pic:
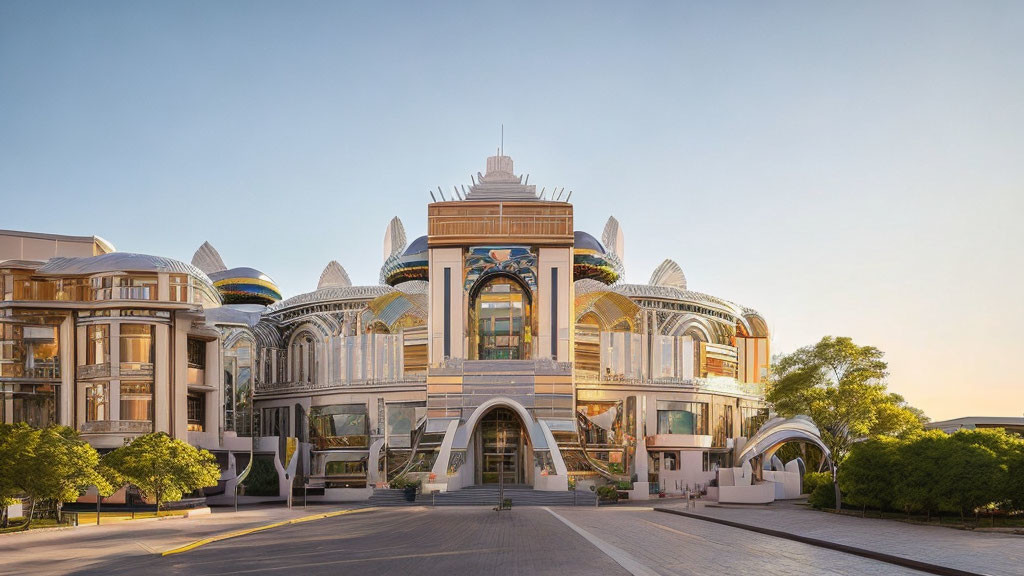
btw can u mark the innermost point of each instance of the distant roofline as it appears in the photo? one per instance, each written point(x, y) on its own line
point(67, 238)
point(1012, 420)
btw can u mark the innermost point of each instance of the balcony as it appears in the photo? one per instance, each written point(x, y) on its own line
point(409, 379)
point(117, 427)
point(41, 371)
point(137, 370)
point(91, 371)
point(716, 385)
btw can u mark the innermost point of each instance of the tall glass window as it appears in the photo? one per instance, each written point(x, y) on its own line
point(136, 343)
point(137, 401)
point(682, 418)
point(97, 346)
point(502, 321)
point(96, 403)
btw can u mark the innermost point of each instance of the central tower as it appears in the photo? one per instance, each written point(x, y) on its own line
point(500, 264)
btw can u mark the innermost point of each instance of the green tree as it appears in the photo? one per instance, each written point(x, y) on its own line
point(976, 470)
point(162, 467)
point(920, 465)
point(869, 473)
point(51, 463)
point(841, 386)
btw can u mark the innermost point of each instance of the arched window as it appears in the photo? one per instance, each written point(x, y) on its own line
point(304, 358)
point(502, 322)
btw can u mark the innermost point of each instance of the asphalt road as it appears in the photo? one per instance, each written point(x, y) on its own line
point(525, 541)
point(397, 541)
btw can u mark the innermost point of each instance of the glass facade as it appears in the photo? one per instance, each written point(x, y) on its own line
point(136, 344)
point(29, 351)
point(97, 344)
point(97, 406)
point(502, 321)
point(339, 425)
point(33, 404)
point(136, 401)
point(682, 418)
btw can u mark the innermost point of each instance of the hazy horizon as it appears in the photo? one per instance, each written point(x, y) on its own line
point(846, 170)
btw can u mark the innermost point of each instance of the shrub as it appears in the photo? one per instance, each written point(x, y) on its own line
point(824, 496)
point(262, 479)
point(814, 479)
point(608, 493)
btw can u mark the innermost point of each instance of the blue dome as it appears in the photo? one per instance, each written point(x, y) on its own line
point(584, 241)
point(418, 246)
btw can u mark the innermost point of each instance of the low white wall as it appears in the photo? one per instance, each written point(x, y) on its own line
point(763, 493)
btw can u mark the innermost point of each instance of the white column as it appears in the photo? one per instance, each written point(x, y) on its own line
point(179, 387)
point(161, 380)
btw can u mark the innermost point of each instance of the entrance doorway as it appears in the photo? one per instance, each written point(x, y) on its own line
point(502, 449)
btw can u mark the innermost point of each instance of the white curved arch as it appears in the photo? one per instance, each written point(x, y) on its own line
point(776, 432)
point(532, 429)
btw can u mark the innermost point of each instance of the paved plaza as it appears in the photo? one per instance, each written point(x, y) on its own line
point(475, 540)
point(996, 553)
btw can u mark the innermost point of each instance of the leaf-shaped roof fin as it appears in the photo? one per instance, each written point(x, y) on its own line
point(394, 238)
point(208, 259)
point(334, 276)
point(668, 273)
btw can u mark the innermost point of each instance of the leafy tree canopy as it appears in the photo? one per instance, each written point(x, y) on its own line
point(162, 467)
point(51, 463)
point(841, 386)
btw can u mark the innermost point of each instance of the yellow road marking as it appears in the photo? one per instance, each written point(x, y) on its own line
point(238, 533)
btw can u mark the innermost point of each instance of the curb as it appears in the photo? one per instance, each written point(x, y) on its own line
point(863, 552)
point(237, 533)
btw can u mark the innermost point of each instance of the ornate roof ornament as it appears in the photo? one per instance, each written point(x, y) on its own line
point(668, 273)
point(613, 240)
point(208, 259)
point(334, 276)
point(394, 238)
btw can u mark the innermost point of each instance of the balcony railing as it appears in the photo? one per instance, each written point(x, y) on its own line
point(117, 427)
point(720, 385)
point(136, 369)
point(281, 387)
point(38, 372)
point(90, 371)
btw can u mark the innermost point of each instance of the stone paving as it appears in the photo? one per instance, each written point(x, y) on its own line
point(672, 545)
point(974, 551)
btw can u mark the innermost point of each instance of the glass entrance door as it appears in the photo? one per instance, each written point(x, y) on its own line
point(501, 448)
point(493, 464)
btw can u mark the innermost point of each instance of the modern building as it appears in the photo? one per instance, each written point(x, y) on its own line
point(502, 345)
point(1008, 423)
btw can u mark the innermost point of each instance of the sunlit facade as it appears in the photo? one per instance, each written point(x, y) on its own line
point(501, 346)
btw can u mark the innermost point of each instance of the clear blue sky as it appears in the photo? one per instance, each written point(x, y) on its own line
point(852, 170)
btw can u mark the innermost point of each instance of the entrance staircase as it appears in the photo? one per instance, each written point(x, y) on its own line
point(391, 497)
point(487, 495)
